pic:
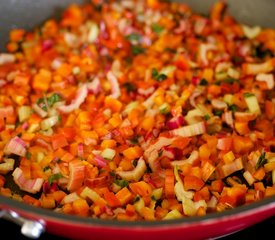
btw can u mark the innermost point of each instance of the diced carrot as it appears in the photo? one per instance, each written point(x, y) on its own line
point(124, 196)
point(133, 152)
point(141, 188)
point(47, 201)
point(242, 144)
point(259, 174)
point(148, 213)
point(58, 195)
point(59, 141)
point(111, 199)
point(169, 183)
point(192, 183)
point(80, 207)
point(31, 200)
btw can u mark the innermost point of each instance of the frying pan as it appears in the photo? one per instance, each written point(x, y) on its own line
point(29, 13)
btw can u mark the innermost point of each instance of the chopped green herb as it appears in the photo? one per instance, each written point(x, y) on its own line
point(247, 95)
point(154, 73)
point(112, 174)
point(232, 108)
point(158, 76)
point(130, 87)
point(28, 155)
point(53, 99)
point(160, 153)
point(136, 50)
point(133, 37)
point(206, 117)
point(161, 77)
point(164, 111)
point(203, 82)
point(121, 182)
point(135, 161)
point(41, 103)
point(54, 177)
point(261, 161)
point(218, 112)
point(157, 28)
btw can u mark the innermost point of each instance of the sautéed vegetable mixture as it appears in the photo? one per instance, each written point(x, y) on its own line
point(138, 110)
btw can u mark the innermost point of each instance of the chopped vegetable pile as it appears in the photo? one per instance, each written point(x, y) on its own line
point(138, 110)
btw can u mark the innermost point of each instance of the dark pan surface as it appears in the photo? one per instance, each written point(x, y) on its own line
point(30, 13)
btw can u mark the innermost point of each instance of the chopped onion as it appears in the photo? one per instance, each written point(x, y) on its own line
point(94, 86)
point(147, 91)
point(101, 162)
point(49, 122)
point(80, 150)
point(203, 49)
point(192, 158)
point(7, 165)
point(6, 58)
point(39, 110)
point(24, 112)
point(76, 176)
point(251, 32)
point(253, 105)
point(28, 185)
point(114, 84)
point(93, 32)
point(267, 78)
point(249, 177)
point(135, 174)
point(190, 130)
point(16, 146)
point(108, 153)
point(218, 104)
point(81, 95)
point(70, 198)
point(194, 116)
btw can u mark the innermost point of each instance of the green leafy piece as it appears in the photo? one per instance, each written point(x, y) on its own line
point(41, 103)
point(54, 177)
point(121, 182)
point(28, 155)
point(206, 117)
point(218, 112)
point(157, 28)
point(133, 37)
point(135, 161)
point(158, 76)
point(261, 161)
point(161, 77)
point(54, 99)
point(232, 108)
point(203, 82)
point(136, 50)
point(154, 73)
point(247, 95)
